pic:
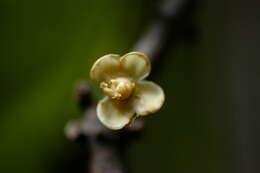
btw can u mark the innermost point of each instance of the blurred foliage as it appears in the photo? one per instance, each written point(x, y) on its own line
point(47, 46)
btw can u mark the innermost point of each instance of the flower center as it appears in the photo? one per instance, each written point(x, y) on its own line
point(118, 88)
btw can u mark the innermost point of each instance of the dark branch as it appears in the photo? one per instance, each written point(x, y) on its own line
point(172, 22)
point(106, 147)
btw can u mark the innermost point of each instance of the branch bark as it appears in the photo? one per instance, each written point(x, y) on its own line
point(107, 148)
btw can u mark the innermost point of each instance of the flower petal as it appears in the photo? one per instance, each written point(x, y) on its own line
point(114, 115)
point(136, 65)
point(149, 98)
point(105, 67)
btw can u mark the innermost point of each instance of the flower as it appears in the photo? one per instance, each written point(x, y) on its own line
point(127, 95)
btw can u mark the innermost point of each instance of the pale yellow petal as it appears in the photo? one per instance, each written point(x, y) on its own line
point(149, 98)
point(136, 65)
point(106, 67)
point(114, 115)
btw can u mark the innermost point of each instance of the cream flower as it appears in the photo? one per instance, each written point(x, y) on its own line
point(127, 94)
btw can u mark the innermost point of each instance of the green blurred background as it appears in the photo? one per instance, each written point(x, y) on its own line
point(206, 125)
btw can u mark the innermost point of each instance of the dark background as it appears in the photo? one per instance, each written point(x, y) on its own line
point(209, 122)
